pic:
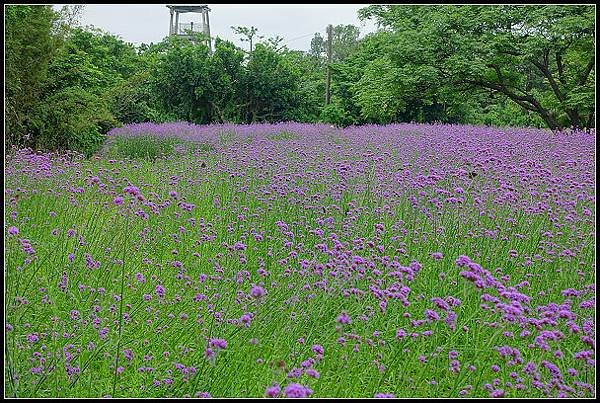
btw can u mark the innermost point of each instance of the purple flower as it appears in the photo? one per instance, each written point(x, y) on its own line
point(297, 390)
point(32, 338)
point(204, 395)
point(307, 363)
point(463, 261)
point(554, 371)
point(160, 291)
point(246, 318)
point(273, 391)
point(37, 370)
point(103, 332)
point(343, 318)
point(218, 344)
point(13, 230)
point(131, 190)
point(257, 291)
point(497, 393)
point(128, 354)
point(437, 255)
point(385, 396)
point(431, 315)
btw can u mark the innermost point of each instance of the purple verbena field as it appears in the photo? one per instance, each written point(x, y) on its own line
point(294, 260)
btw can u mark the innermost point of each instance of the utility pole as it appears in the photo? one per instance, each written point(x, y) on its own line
point(328, 83)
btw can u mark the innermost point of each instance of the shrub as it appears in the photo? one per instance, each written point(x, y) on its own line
point(71, 119)
point(334, 114)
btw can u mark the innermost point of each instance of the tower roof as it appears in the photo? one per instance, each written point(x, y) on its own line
point(188, 9)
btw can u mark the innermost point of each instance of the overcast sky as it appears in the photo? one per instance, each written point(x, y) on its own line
point(296, 23)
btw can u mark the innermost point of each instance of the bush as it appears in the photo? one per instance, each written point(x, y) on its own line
point(71, 119)
point(334, 114)
point(132, 102)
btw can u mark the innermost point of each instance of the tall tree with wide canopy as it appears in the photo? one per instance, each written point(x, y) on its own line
point(540, 57)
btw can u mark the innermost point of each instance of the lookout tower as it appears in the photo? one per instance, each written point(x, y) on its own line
point(185, 29)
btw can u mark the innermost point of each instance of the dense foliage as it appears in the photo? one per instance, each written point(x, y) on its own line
point(28, 50)
point(540, 57)
point(492, 65)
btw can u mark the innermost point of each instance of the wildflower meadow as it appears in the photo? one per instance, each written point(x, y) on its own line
point(303, 260)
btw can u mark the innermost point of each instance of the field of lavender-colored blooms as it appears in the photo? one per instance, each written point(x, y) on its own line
point(293, 260)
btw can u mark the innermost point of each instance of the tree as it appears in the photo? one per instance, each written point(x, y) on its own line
point(271, 86)
point(345, 41)
point(108, 52)
point(274, 43)
point(539, 57)
point(134, 101)
point(347, 73)
point(181, 79)
point(310, 75)
point(317, 46)
point(226, 75)
point(247, 34)
point(378, 92)
point(57, 79)
point(29, 48)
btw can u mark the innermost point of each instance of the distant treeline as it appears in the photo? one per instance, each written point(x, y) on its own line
point(496, 65)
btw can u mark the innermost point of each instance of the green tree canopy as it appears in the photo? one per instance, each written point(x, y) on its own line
point(539, 57)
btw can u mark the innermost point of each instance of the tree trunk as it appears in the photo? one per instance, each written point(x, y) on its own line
point(525, 101)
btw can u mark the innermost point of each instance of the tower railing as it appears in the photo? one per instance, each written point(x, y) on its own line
point(185, 27)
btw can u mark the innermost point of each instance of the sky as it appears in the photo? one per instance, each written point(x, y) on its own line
point(296, 23)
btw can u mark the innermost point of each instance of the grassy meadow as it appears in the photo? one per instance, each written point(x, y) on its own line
point(296, 260)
